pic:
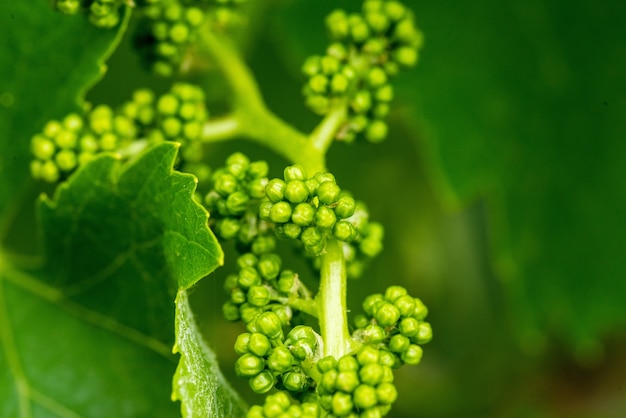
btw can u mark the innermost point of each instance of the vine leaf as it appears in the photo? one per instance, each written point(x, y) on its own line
point(198, 382)
point(90, 334)
point(47, 61)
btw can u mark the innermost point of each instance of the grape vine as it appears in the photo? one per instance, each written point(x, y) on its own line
point(297, 345)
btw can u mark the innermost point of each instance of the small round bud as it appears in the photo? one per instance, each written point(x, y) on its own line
point(387, 315)
point(280, 359)
point(275, 190)
point(303, 214)
point(347, 381)
point(342, 404)
point(365, 397)
point(371, 373)
point(344, 231)
point(269, 266)
point(280, 212)
point(294, 172)
point(259, 344)
point(296, 191)
point(269, 324)
point(326, 364)
point(412, 355)
point(262, 382)
point(386, 393)
point(325, 217)
point(249, 365)
point(345, 207)
point(425, 333)
point(399, 343)
point(241, 343)
point(328, 192)
point(409, 327)
point(258, 296)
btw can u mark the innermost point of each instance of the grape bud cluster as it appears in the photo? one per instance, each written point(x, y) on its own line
point(367, 49)
point(394, 320)
point(102, 13)
point(168, 29)
point(62, 146)
point(309, 209)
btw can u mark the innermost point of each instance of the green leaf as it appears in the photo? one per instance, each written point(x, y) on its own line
point(198, 382)
point(47, 61)
point(90, 334)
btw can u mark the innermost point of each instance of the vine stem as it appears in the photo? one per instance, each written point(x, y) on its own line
point(252, 119)
point(331, 302)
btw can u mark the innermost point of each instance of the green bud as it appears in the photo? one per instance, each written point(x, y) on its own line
point(241, 343)
point(327, 384)
point(328, 192)
point(399, 343)
point(387, 315)
point(392, 293)
point(228, 228)
point(303, 214)
point(361, 321)
point(225, 184)
point(412, 355)
point(280, 359)
point(286, 282)
point(296, 191)
point(269, 266)
point(326, 364)
point(238, 296)
point(376, 131)
point(347, 364)
point(386, 393)
point(365, 396)
point(258, 296)
point(249, 313)
point(311, 66)
point(275, 190)
point(370, 303)
point(259, 344)
point(425, 333)
point(237, 203)
point(247, 260)
point(262, 382)
point(311, 237)
point(263, 244)
point(347, 381)
point(342, 404)
point(367, 354)
point(409, 327)
point(258, 169)
point(406, 56)
point(264, 210)
point(280, 212)
point(256, 188)
point(284, 313)
point(421, 311)
point(374, 334)
point(249, 365)
point(344, 231)
point(294, 172)
point(387, 359)
point(345, 207)
point(230, 311)
point(295, 381)
point(269, 324)
point(325, 217)
point(318, 83)
point(371, 373)
point(42, 147)
point(248, 277)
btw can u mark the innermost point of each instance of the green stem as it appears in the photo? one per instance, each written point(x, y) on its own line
point(221, 129)
point(324, 134)
point(331, 301)
point(251, 116)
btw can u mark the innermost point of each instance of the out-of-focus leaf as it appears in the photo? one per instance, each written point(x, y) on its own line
point(47, 60)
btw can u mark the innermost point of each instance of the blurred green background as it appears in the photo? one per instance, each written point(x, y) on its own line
point(502, 189)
